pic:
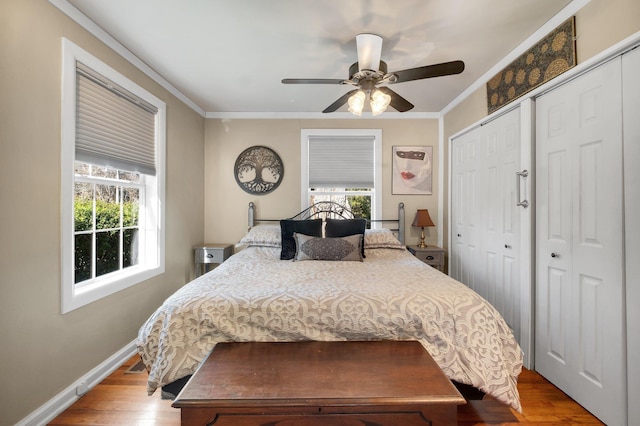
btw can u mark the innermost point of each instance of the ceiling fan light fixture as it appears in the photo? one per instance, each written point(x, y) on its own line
point(370, 72)
point(369, 51)
point(356, 102)
point(379, 102)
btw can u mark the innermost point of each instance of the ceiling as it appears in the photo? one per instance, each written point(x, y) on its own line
point(229, 56)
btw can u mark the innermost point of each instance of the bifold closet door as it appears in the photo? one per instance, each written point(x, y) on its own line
point(579, 342)
point(485, 220)
point(464, 264)
point(631, 146)
point(501, 221)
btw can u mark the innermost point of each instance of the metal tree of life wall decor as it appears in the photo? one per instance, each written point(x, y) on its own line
point(258, 170)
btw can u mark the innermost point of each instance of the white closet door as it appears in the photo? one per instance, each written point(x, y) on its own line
point(464, 206)
point(500, 217)
point(631, 102)
point(579, 245)
point(485, 221)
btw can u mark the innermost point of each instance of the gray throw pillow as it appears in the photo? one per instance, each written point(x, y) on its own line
point(339, 248)
point(346, 227)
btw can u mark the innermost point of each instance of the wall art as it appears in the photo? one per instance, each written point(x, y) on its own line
point(258, 170)
point(550, 57)
point(412, 170)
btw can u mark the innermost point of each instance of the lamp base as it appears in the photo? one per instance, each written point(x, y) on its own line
point(422, 244)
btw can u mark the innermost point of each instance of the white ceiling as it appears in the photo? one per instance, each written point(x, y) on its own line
point(229, 56)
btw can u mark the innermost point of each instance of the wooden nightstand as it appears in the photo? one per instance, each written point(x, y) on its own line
point(210, 253)
point(431, 255)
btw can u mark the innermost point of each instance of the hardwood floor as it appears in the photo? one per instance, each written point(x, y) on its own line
point(121, 399)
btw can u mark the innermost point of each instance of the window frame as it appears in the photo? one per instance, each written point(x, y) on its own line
point(376, 134)
point(152, 257)
point(118, 185)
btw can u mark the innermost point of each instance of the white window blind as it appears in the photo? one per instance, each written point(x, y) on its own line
point(113, 127)
point(344, 161)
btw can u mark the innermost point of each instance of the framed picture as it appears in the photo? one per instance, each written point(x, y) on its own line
point(411, 170)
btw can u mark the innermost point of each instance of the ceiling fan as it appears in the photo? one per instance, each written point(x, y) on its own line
point(370, 72)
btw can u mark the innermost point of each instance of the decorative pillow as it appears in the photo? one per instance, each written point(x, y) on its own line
point(262, 236)
point(338, 248)
point(312, 227)
point(345, 227)
point(381, 238)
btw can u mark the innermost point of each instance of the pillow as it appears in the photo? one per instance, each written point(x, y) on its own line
point(339, 248)
point(311, 227)
point(262, 236)
point(345, 227)
point(381, 238)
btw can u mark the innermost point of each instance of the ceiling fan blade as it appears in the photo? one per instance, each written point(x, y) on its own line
point(397, 102)
point(369, 48)
point(312, 81)
point(341, 101)
point(429, 71)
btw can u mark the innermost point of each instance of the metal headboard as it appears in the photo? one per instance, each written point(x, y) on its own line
point(333, 210)
point(324, 210)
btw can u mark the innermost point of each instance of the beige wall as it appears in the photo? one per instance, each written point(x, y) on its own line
point(226, 204)
point(599, 25)
point(41, 351)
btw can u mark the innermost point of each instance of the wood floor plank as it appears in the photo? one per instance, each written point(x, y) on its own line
point(121, 399)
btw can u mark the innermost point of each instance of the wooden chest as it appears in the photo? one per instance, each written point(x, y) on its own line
point(319, 383)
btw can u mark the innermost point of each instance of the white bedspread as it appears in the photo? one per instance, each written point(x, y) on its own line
point(254, 296)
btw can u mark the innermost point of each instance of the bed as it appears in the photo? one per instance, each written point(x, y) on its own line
point(374, 290)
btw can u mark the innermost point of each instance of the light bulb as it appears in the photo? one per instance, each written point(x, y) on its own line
point(356, 102)
point(379, 102)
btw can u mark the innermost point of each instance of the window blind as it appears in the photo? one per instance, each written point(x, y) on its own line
point(343, 162)
point(113, 127)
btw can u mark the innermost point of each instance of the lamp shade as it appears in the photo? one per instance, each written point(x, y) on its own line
point(422, 219)
point(356, 102)
point(379, 102)
point(369, 49)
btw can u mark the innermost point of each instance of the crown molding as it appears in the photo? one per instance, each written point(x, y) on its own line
point(319, 115)
point(568, 11)
point(72, 12)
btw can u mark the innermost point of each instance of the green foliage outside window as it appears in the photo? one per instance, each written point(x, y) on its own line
point(107, 214)
point(107, 257)
point(360, 206)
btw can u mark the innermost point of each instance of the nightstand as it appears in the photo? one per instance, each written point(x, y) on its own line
point(431, 255)
point(210, 253)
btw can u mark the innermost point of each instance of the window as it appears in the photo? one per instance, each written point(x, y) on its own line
point(113, 143)
point(106, 211)
point(343, 165)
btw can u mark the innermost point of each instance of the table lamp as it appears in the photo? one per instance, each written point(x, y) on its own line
point(422, 219)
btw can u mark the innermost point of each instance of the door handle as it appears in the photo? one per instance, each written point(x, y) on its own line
point(507, 246)
point(523, 174)
point(555, 255)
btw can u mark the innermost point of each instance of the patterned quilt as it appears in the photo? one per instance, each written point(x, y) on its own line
point(391, 295)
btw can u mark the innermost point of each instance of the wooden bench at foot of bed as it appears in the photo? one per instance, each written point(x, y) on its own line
point(319, 383)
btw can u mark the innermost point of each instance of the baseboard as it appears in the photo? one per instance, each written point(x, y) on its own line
point(72, 393)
